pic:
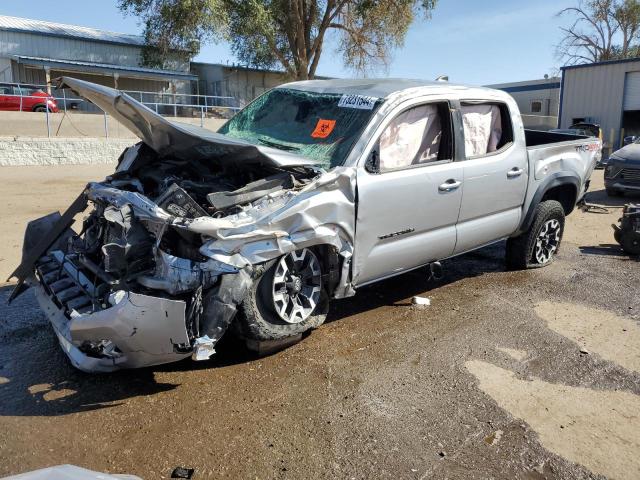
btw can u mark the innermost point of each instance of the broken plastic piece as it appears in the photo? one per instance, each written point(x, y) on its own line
point(182, 472)
point(421, 301)
point(202, 350)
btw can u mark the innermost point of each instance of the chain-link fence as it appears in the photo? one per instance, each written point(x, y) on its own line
point(206, 110)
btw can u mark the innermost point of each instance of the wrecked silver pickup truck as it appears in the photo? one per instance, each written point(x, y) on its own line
point(314, 189)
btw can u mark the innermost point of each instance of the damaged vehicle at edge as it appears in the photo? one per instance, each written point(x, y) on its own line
point(253, 229)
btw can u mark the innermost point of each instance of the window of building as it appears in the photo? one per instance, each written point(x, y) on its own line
point(487, 128)
point(419, 135)
point(536, 106)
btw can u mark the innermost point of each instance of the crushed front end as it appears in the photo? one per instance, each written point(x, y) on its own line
point(167, 245)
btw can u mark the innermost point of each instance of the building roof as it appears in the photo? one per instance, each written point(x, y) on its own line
point(109, 68)
point(596, 64)
point(17, 24)
point(528, 85)
point(373, 87)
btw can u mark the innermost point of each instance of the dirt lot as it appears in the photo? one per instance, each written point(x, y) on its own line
point(506, 375)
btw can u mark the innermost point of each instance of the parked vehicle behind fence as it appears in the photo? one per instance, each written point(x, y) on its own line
point(26, 98)
point(312, 191)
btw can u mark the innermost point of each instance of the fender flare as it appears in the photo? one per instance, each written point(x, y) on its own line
point(554, 180)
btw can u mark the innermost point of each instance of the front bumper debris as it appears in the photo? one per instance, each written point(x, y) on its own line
point(134, 330)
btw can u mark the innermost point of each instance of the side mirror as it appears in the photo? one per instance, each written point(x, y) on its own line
point(372, 165)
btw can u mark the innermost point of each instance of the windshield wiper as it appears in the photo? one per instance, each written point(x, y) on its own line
point(280, 146)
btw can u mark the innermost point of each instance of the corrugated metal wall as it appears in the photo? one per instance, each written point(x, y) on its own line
point(596, 93)
point(20, 43)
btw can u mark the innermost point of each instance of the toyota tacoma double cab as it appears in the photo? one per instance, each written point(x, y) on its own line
point(313, 190)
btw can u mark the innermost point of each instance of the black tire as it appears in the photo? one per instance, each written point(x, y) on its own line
point(612, 192)
point(257, 318)
point(630, 242)
point(40, 108)
point(617, 234)
point(521, 250)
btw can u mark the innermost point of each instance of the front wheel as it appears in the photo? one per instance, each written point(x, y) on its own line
point(538, 246)
point(287, 297)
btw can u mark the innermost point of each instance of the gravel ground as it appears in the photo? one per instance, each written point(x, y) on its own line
point(506, 375)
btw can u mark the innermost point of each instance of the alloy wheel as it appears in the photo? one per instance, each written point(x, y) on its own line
point(547, 241)
point(297, 285)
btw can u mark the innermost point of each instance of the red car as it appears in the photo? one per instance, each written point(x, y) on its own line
point(32, 99)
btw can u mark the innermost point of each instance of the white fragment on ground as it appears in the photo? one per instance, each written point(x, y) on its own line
point(422, 301)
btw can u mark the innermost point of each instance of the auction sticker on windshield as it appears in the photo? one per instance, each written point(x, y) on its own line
point(323, 128)
point(357, 101)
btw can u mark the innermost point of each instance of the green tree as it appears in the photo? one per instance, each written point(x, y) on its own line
point(290, 34)
point(600, 30)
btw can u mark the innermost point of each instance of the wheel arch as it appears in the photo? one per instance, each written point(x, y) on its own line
point(331, 263)
point(563, 187)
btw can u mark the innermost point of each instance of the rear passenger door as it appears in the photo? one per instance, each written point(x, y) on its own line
point(408, 206)
point(495, 174)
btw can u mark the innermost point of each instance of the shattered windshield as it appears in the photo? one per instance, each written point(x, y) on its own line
point(320, 126)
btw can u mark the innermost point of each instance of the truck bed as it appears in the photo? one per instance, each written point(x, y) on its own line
point(552, 154)
point(535, 138)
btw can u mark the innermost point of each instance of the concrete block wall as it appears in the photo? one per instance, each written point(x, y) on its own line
point(31, 151)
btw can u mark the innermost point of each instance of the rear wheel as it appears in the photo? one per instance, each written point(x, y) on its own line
point(630, 242)
point(287, 297)
point(538, 246)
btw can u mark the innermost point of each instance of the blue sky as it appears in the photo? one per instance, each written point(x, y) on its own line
point(474, 42)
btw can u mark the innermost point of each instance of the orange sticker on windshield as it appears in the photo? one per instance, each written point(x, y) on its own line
point(323, 128)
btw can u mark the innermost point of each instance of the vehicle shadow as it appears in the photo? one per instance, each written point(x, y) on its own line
point(608, 249)
point(600, 197)
point(36, 379)
point(398, 290)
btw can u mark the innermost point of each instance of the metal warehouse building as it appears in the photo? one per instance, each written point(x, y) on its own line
point(605, 93)
point(534, 97)
point(242, 83)
point(538, 100)
point(34, 52)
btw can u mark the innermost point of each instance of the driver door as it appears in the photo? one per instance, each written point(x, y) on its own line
point(408, 206)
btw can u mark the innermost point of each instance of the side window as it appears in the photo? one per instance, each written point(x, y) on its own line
point(536, 106)
point(487, 128)
point(419, 135)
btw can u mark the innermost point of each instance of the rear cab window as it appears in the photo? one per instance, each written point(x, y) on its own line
point(487, 128)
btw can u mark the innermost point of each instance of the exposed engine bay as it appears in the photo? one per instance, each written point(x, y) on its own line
point(124, 246)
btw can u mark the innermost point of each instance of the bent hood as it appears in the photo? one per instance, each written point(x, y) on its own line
point(174, 139)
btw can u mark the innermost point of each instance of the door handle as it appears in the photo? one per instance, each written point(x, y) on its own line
point(514, 172)
point(449, 185)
